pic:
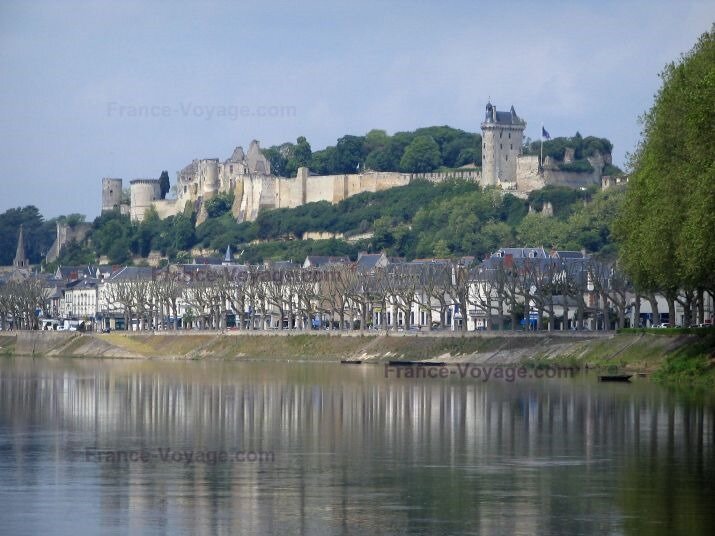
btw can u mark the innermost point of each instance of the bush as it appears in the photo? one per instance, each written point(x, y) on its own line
point(577, 166)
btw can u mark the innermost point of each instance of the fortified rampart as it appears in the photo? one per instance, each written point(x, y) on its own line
point(66, 234)
point(248, 176)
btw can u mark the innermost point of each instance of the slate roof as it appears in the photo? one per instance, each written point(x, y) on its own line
point(522, 253)
point(567, 254)
point(132, 272)
point(316, 261)
point(369, 261)
point(208, 260)
point(75, 272)
point(87, 282)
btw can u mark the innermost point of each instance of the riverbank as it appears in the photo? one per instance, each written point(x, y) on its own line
point(678, 358)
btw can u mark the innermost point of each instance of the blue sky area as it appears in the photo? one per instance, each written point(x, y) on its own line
point(126, 89)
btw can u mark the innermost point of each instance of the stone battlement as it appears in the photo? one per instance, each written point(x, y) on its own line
point(248, 176)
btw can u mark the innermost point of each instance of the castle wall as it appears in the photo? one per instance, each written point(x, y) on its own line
point(167, 207)
point(248, 176)
point(570, 178)
point(323, 188)
point(66, 234)
point(527, 174)
point(385, 180)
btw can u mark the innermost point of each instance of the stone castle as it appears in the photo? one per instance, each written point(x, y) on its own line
point(248, 176)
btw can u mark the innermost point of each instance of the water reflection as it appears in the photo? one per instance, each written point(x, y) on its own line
point(355, 452)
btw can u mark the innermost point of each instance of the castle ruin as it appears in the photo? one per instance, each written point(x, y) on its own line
point(248, 175)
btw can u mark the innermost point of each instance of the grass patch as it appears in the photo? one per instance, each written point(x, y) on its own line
point(299, 346)
point(701, 332)
point(693, 365)
point(7, 345)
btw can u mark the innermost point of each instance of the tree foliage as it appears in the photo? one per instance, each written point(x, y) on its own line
point(164, 184)
point(39, 234)
point(421, 156)
point(668, 220)
point(379, 151)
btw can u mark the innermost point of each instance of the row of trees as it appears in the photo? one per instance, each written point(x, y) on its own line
point(20, 302)
point(419, 151)
point(500, 291)
point(666, 228)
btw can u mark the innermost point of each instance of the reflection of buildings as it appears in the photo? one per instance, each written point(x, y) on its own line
point(350, 446)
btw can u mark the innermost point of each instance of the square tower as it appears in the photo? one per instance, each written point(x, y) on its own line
point(502, 137)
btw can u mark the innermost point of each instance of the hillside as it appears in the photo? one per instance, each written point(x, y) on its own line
point(419, 220)
point(422, 219)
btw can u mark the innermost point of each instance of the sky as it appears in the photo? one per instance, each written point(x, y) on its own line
point(128, 89)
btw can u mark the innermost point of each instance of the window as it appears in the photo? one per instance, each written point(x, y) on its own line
point(509, 135)
point(511, 146)
point(500, 146)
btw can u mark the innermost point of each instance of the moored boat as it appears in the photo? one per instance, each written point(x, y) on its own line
point(615, 378)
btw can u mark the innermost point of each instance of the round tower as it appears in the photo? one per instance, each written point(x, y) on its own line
point(143, 192)
point(111, 193)
point(208, 173)
point(502, 137)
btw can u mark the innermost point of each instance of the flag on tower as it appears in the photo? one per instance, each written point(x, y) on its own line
point(545, 134)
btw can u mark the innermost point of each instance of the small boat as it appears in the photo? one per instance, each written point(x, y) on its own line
point(350, 362)
point(416, 364)
point(615, 378)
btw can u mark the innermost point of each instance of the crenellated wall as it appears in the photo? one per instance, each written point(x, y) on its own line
point(248, 176)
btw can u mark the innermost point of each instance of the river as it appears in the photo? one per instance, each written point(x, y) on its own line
point(167, 447)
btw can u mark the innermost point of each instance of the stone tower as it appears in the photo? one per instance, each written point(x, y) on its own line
point(20, 258)
point(502, 137)
point(143, 193)
point(111, 193)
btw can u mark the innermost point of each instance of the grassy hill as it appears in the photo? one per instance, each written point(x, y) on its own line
point(421, 219)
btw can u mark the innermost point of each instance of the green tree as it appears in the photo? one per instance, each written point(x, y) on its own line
point(164, 184)
point(348, 154)
point(667, 223)
point(422, 155)
point(277, 159)
point(539, 230)
point(39, 234)
point(219, 205)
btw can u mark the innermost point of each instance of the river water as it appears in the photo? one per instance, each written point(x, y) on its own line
point(159, 447)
